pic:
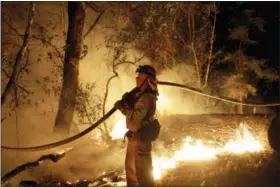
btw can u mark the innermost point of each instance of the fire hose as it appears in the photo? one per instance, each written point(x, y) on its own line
point(110, 112)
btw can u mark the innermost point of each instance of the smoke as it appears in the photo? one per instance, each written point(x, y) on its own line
point(33, 124)
point(175, 101)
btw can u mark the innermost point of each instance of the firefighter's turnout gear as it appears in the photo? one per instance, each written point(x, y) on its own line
point(141, 114)
point(138, 161)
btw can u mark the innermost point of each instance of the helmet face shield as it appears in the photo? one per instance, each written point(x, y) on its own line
point(146, 69)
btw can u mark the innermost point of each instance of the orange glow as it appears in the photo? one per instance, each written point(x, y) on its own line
point(191, 150)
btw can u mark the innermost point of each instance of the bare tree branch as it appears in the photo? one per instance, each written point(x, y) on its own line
point(27, 59)
point(93, 111)
point(87, 114)
point(12, 28)
point(50, 44)
point(114, 66)
point(191, 26)
point(37, 38)
point(211, 46)
point(22, 88)
point(19, 56)
point(6, 73)
point(63, 15)
point(9, 43)
point(96, 20)
point(117, 55)
point(94, 7)
point(196, 65)
point(129, 62)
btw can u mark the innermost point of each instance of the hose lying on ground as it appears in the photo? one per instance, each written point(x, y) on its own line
point(108, 114)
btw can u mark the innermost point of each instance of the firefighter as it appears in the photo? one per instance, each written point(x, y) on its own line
point(138, 160)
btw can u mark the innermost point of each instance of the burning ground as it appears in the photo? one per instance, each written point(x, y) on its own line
point(192, 150)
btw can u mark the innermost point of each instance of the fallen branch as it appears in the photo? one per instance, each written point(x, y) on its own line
point(11, 174)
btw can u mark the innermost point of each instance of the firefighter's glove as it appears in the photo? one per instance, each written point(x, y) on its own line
point(119, 105)
point(128, 99)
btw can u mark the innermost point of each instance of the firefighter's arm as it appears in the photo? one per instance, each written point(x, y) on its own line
point(137, 115)
point(122, 107)
point(138, 112)
point(141, 108)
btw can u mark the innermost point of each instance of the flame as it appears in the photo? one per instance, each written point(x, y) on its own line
point(191, 150)
point(194, 151)
point(244, 142)
point(161, 164)
point(119, 130)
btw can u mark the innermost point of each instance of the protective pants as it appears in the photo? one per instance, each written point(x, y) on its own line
point(138, 164)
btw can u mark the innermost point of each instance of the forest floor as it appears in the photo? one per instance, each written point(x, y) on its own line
point(104, 167)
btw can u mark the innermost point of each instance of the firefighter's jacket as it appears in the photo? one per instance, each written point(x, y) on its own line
point(142, 112)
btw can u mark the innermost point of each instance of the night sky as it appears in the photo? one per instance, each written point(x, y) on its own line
point(268, 42)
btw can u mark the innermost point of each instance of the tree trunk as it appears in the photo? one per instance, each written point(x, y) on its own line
point(76, 18)
point(210, 56)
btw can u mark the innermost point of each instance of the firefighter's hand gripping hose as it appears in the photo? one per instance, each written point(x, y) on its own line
point(108, 114)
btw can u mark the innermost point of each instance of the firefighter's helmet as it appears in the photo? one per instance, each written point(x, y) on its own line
point(147, 69)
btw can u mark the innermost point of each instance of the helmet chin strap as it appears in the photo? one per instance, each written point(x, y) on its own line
point(144, 82)
point(152, 85)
